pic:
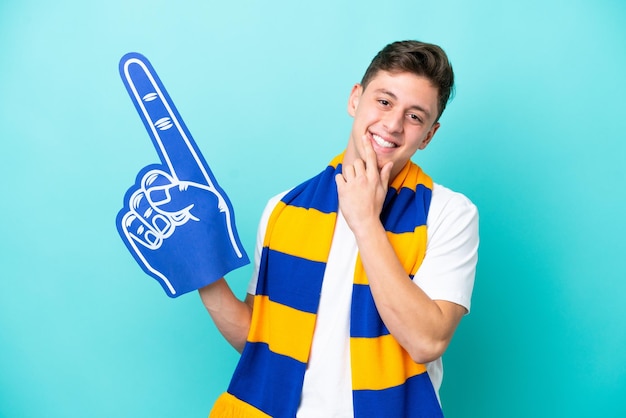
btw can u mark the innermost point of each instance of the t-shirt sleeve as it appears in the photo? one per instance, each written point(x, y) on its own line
point(449, 266)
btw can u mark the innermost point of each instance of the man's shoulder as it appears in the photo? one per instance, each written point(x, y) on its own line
point(276, 198)
point(446, 197)
point(448, 205)
point(271, 204)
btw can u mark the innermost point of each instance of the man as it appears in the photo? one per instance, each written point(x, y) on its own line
point(363, 272)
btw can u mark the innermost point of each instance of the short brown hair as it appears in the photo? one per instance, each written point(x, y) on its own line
point(419, 58)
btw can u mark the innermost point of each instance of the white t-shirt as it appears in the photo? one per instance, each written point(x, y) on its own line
point(447, 273)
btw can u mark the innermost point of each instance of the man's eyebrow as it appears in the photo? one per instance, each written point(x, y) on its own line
point(394, 97)
point(387, 92)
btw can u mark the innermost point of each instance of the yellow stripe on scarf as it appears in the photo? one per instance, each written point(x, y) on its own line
point(287, 333)
point(228, 406)
point(382, 363)
point(297, 221)
point(405, 243)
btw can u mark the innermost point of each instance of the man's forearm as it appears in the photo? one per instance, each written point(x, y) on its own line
point(422, 326)
point(231, 315)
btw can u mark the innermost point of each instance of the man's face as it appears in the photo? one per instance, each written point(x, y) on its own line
point(396, 112)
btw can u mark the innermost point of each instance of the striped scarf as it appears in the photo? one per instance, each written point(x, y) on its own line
point(386, 382)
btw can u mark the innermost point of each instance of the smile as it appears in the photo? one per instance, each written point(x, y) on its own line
point(382, 142)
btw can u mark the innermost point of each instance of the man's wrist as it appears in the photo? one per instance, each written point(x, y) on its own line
point(368, 229)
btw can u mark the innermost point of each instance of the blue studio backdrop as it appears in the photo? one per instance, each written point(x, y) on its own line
point(536, 137)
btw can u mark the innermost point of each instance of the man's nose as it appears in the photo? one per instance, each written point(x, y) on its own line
point(394, 121)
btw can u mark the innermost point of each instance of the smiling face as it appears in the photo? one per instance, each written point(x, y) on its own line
point(397, 112)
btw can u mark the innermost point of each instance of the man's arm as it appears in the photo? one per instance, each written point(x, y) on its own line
point(424, 327)
point(231, 315)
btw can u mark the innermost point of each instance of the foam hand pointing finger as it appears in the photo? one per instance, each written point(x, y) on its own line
point(177, 222)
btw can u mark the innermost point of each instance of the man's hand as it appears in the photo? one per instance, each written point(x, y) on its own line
point(362, 189)
point(177, 222)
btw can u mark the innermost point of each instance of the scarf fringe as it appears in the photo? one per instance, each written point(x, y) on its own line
point(228, 406)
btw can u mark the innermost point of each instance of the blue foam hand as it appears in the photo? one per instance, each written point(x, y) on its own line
point(177, 222)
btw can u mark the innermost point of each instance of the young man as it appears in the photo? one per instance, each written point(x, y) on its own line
point(363, 272)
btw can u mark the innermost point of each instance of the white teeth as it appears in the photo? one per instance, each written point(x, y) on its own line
point(380, 141)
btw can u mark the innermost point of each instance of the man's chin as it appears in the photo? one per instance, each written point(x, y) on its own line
point(381, 160)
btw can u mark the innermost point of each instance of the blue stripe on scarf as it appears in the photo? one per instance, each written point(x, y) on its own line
point(365, 320)
point(278, 394)
point(415, 399)
point(322, 197)
point(401, 212)
point(296, 282)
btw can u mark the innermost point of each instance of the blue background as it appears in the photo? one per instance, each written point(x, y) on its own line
point(535, 137)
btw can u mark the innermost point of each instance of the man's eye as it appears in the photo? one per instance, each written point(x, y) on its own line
point(384, 102)
point(414, 117)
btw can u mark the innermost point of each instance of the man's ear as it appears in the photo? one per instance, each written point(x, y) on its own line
point(353, 100)
point(430, 135)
